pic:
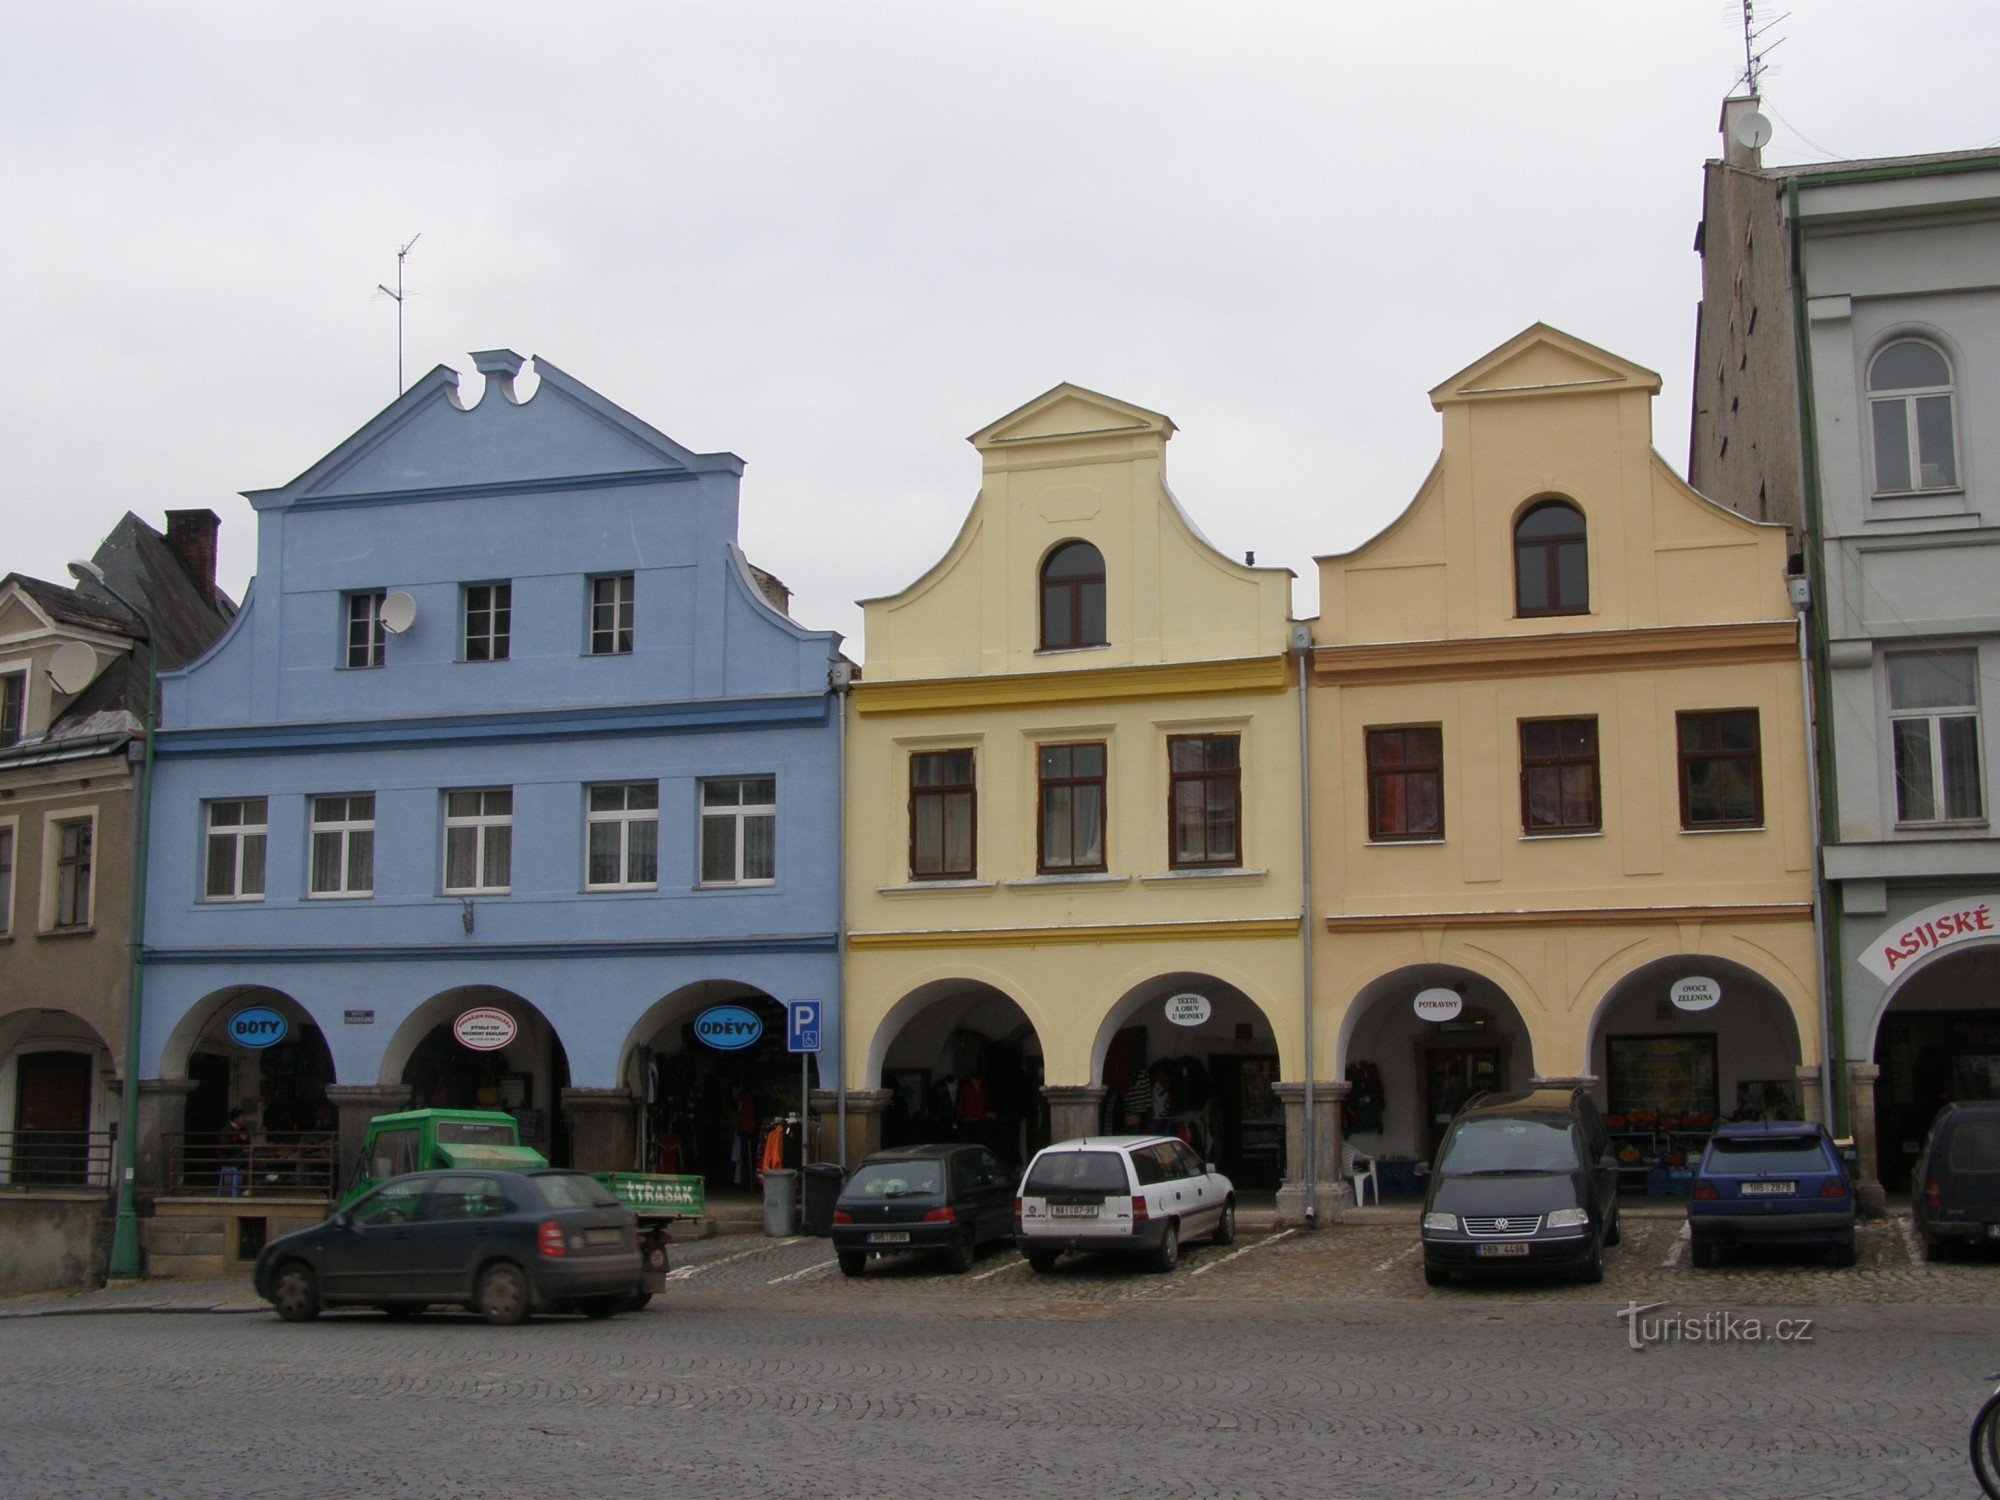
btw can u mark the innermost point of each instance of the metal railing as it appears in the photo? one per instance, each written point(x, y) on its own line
point(269, 1164)
point(32, 1159)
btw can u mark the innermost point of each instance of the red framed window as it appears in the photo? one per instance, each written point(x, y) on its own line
point(1406, 783)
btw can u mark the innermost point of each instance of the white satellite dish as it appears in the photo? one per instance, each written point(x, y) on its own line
point(1752, 130)
point(72, 667)
point(399, 612)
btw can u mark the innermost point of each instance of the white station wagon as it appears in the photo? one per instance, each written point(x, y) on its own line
point(1134, 1193)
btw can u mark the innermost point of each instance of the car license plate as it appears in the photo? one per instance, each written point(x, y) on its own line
point(890, 1237)
point(1500, 1250)
point(1073, 1210)
point(1769, 1189)
point(1993, 1231)
point(603, 1236)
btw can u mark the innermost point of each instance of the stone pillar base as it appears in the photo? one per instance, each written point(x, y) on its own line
point(358, 1103)
point(603, 1129)
point(1868, 1194)
point(1329, 1189)
point(1812, 1095)
point(1074, 1109)
point(865, 1108)
point(162, 1112)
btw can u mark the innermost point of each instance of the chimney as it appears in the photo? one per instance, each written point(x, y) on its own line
point(191, 533)
point(1744, 131)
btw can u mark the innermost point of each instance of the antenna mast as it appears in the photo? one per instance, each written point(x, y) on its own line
point(404, 254)
point(1753, 55)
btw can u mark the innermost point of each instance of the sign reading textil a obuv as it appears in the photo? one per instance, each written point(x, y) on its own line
point(1923, 933)
point(728, 1028)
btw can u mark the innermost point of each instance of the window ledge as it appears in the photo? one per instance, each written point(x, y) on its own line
point(1419, 841)
point(1945, 825)
point(621, 890)
point(340, 895)
point(736, 885)
point(922, 887)
point(67, 932)
point(1938, 492)
point(1730, 828)
point(1578, 833)
point(1071, 650)
point(499, 890)
point(230, 901)
point(1226, 874)
point(1047, 882)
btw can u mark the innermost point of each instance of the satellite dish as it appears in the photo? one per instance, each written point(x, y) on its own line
point(1752, 130)
point(399, 612)
point(72, 667)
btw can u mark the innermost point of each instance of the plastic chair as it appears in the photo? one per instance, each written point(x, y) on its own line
point(1361, 1170)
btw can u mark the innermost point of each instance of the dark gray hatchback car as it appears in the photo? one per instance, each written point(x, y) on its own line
point(1955, 1193)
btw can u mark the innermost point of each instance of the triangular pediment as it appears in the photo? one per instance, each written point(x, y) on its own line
point(1070, 412)
point(1541, 361)
point(19, 614)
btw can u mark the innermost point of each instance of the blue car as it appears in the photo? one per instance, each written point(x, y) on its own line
point(1771, 1182)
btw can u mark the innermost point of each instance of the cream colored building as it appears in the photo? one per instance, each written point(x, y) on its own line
point(1558, 766)
point(1072, 797)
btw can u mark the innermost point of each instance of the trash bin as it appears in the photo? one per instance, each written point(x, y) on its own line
point(823, 1184)
point(781, 1190)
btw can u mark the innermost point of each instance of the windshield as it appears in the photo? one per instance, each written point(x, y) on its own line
point(1078, 1171)
point(1975, 1146)
point(573, 1190)
point(1733, 1156)
point(1511, 1145)
point(474, 1133)
point(896, 1179)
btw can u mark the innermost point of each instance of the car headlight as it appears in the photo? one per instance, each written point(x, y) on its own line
point(1569, 1218)
point(1447, 1222)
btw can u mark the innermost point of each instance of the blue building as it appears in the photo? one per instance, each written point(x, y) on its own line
point(510, 766)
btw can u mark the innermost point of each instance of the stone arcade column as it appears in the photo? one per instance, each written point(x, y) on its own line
point(603, 1129)
point(1075, 1109)
point(358, 1103)
point(865, 1108)
point(1868, 1194)
point(1334, 1190)
point(162, 1112)
point(1812, 1095)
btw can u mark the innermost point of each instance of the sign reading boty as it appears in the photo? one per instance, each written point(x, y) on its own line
point(257, 1027)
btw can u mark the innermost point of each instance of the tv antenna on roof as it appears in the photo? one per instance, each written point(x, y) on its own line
point(1753, 54)
point(404, 254)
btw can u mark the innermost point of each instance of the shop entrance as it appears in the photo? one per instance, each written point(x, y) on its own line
point(284, 1141)
point(481, 1047)
point(1452, 1075)
point(51, 1118)
point(961, 1061)
point(1938, 1044)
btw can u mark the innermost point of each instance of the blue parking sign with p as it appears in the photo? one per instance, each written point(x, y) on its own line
point(802, 1025)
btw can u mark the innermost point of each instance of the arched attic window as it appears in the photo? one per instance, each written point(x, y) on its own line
point(1551, 561)
point(1073, 597)
point(1910, 402)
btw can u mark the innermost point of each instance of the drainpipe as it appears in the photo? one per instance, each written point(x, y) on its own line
point(1801, 589)
point(1302, 643)
point(841, 677)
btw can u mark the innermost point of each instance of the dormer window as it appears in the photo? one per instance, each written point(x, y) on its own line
point(1551, 561)
point(13, 707)
point(1910, 413)
point(1073, 597)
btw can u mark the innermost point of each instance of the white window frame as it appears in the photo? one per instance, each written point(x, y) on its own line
point(1908, 397)
point(625, 818)
point(10, 674)
point(622, 614)
point(344, 830)
point(499, 642)
point(364, 608)
point(239, 835)
point(481, 821)
point(1935, 718)
point(52, 825)
point(10, 872)
point(738, 813)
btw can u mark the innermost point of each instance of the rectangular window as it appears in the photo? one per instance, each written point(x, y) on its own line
point(343, 845)
point(13, 707)
point(1071, 834)
point(1204, 801)
point(739, 831)
point(944, 807)
point(6, 880)
point(73, 853)
point(1934, 723)
point(611, 615)
point(1559, 776)
point(479, 841)
point(1406, 783)
point(489, 620)
point(1722, 776)
point(236, 833)
point(623, 834)
point(365, 635)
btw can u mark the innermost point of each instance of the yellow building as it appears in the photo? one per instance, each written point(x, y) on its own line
point(1073, 849)
point(1558, 769)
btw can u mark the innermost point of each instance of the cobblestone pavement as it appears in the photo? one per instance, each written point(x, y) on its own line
point(1288, 1365)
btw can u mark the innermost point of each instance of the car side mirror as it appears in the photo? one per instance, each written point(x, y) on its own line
point(343, 1220)
point(1208, 1166)
point(1422, 1169)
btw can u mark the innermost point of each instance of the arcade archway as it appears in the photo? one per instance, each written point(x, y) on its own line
point(961, 1061)
point(451, 1057)
point(1937, 1043)
point(56, 1102)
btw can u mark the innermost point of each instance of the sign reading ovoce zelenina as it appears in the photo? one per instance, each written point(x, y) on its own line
point(1923, 933)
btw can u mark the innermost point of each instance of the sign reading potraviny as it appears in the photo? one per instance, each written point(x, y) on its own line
point(1694, 993)
point(1438, 1005)
point(1189, 1010)
point(1923, 933)
point(728, 1028)
point(485, 1028)
point(257, 1027)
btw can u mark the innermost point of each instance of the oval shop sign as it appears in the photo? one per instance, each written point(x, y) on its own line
point(1437, 1005)
point(728, 1028)
point(1694, 993)
point(485, 1028)
point(258, 1026)
point(1189, 1010)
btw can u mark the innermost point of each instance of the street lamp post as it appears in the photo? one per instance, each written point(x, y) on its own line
point(124, 1265)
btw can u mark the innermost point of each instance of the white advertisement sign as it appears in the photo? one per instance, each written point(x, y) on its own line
point(485, 1029)
point(1438, 1005)
point(1694, 993)
point(1917, 937)
point(1188, 1010)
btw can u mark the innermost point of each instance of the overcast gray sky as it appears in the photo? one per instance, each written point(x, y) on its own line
point(835, 238)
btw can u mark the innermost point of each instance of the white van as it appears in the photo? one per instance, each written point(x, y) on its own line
point(1142, 1193)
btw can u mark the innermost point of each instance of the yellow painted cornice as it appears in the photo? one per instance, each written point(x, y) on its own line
point(1572, 916)
point(1035, 937)
point(1257, 674)
point(1556, 655)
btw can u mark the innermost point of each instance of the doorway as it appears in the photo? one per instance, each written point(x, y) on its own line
point(52, 1119)
point(1250, 1135)
point(1453, 1075)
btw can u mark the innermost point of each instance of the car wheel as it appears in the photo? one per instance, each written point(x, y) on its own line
point(599, 1308)
point(1593, 1269)
point(964, 1249)
point(296, 1293)
point(636, 1301)
point(1701, 1255)
point(503, 1295)
point(1167, 1254)
point(852, 1262)
point(1844, 1253)
point(1043, 1261)
point(1436, 1275)
point(1936, 1249)
point(1225, 1227)
point(1615, 1230)
point(401, 1312)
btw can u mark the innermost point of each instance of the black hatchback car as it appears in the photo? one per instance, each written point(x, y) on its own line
point(1524, 1181)
point(505, 1244)
point(949, 1198)
point(1955, 1192)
